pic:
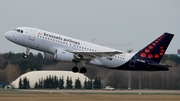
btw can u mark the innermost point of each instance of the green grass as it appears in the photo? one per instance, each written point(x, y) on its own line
point(17, 91)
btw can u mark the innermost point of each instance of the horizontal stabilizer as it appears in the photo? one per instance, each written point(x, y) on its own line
point(159, 65)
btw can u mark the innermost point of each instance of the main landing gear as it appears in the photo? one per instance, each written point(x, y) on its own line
point(75, 69)
point(26, 54)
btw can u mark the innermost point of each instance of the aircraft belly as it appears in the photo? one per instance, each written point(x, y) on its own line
point(111, 63)
point(95, 62)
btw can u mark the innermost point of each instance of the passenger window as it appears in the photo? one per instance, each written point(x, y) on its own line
point(21, 31)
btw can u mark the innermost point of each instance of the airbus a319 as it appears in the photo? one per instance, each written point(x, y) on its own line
point(67, 49)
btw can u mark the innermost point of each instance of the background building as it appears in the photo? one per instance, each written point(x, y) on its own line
point(35, 76)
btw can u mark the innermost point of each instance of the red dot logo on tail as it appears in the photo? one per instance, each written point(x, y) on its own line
point(154, 44)
point(143, 55)
point(150, 47)
point(150, 56)
point(156, 56)
point(147, 50)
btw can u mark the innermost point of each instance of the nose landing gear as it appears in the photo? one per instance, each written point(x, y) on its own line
point(25, 56)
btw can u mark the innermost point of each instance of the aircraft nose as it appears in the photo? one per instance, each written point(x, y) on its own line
point(8, 34)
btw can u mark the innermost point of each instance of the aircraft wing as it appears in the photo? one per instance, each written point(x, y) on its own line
point(90, 55)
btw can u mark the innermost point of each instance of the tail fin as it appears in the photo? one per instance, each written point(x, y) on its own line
point(156, 49)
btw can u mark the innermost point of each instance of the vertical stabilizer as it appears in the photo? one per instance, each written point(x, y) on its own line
point(156, 49)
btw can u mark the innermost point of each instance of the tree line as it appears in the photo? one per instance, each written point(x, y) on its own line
point(12, 65)
point(52, 82)
point(24, 83)
point(33, 62)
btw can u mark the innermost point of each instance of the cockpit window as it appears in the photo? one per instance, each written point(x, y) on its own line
point(18, 30)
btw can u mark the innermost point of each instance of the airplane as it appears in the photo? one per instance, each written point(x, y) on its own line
point(67, 49)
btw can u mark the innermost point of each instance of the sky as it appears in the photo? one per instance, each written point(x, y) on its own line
point(134, 22)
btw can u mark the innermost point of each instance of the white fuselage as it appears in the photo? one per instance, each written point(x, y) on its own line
point(48, 42)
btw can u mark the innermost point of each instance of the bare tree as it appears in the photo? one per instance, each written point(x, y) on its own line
point(12, 72)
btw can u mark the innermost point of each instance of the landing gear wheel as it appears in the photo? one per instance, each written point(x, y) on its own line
point(83, 70)
point(75, 69)
point(25, 56)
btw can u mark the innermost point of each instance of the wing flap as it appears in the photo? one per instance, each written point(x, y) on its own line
point(87, 55)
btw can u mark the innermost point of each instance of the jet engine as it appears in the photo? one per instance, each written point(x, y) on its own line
point(48, 56)
point(62, 55)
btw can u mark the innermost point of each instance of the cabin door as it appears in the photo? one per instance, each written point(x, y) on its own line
point(32, 34)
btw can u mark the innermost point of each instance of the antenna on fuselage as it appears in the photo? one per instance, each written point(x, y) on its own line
point(129, 50)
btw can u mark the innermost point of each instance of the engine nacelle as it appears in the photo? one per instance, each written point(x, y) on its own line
point(48, 56)
point(62, 55)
